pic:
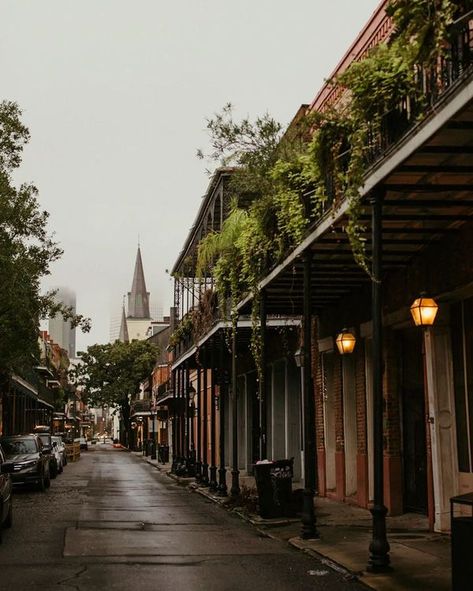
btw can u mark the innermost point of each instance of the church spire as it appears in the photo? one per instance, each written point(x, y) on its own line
point(138, 297)
point(123, 336)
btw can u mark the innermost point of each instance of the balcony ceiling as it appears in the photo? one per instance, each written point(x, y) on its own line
point(429, 195)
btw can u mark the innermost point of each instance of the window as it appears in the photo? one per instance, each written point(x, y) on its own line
point(462, 353)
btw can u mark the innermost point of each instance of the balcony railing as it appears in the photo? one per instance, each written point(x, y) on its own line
point(433, 83)
point(140, 406)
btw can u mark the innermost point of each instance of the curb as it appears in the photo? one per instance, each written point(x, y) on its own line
point(263, 525)
point(349, 575)
point(258, 522)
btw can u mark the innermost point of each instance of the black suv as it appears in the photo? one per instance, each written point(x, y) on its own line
point(5, 494)
point(29, 458)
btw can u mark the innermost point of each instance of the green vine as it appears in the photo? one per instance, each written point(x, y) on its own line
point(286, 181)
point(183, 330)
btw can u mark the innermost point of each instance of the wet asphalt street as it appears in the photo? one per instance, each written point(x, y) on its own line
point(111, 521)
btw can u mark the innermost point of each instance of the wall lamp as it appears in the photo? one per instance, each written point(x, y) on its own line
point(424, 310)
point(345, 342)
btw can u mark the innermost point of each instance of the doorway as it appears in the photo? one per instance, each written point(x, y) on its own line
point(327, 363)
point(413, 422)
point(254, 408)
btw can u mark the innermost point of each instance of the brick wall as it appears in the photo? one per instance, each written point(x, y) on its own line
point(318, 387)
point(360, 384)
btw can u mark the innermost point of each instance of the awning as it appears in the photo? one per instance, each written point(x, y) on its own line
point(45, 403)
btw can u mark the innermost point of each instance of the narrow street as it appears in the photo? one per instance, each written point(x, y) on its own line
point(112, 521)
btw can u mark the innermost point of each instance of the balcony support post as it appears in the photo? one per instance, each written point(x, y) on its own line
point(205, 426)
point(262, 385)
point(223, 387)
point(213, 432)
point(309, 524)
point(198, 463)
point(235, 490)
point(379, 547)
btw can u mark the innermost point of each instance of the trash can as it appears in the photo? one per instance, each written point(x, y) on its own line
point(163, 453)
point(282, 472)
point(274, 486)
point(462, 542)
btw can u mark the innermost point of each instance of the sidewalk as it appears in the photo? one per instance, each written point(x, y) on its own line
point(420, 558)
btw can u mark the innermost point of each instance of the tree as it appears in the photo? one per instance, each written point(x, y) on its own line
point(110, 374)
point(26, 253)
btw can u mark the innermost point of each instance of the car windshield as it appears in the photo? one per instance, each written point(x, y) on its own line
point(58, 440)
point(19, 446)
point(45, 439)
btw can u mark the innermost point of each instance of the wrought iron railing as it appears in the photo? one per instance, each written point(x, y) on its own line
point(140, 406)
point(433, 83)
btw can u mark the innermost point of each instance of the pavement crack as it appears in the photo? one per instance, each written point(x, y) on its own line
point(75, 576)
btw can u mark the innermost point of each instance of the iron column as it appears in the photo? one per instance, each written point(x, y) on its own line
point(235, 490)
point(309, 525)
point(379, 547)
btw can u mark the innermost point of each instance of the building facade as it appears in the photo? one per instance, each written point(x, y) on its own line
point(387, 427)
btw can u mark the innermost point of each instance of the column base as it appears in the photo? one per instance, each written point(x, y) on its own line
point(205, 475)
point(198, 471)
point(379, 559)
point(222, 483)
point(213, 478)
point(235, 490)
point(309, 522)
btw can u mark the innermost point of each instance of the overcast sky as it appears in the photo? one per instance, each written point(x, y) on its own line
point(116, 94)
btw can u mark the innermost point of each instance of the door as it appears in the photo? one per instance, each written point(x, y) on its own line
point(329, 418)
point(349, 424)
point(413, 422)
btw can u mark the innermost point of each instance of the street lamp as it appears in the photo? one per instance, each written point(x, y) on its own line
point(345, 342)
point(424, 310)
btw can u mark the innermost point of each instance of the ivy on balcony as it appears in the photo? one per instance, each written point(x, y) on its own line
point(285, 181)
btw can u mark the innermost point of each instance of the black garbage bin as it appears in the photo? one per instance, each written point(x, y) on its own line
point(462, 542)
point(163, 453)
point(274, 485)
point(282, 472)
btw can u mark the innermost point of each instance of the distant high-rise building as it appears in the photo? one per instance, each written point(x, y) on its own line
point(59, 329)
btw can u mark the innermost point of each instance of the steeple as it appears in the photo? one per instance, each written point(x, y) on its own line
point(123, 336)
point(138, 298)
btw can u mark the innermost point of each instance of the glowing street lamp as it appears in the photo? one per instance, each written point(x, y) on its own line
point(424, 310)
point(345, 342)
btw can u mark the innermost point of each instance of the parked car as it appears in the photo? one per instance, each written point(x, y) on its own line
point(61, 446)
point(6, 488)
point(83, 443)
point(27, 460)
point(54, 459)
